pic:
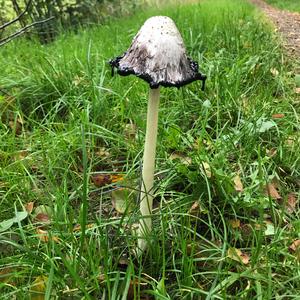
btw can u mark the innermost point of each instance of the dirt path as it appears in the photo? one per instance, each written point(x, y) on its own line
point(287, 23)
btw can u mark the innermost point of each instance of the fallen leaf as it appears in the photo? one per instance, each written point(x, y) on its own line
point(29, 207)
point(43, 209)
point(274, 72)
point(20, 155)
point(42, 218)
point(270, 229)
point(291, 203)
point(271, 191)
point(238, 185)
point(237, 255)
point(100, 180)
point(38, 288)
point(236, 223)
point(5, 274)
point(297, 90)
point(44, 236)
point(206, 168)
point(16, 126)
point(102, 153)
point(123, 199)
point(246, 230)
point(42, 214)
point(295, 246)
point(180, 156)
point(130, 131)
point(194, 210)
point(277, 116)
point(77, 227)
point(271, 152)
point(117, 178)
point(264, 126)
point(135, 285)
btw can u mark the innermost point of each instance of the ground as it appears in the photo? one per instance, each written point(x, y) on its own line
point(287, 23)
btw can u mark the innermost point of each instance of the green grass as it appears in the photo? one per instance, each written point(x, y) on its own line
point(292, 5)
point(72, 108)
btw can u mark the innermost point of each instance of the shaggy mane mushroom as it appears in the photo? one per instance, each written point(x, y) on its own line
point(157, 55)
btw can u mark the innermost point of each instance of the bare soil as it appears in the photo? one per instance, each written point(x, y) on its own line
point(288, 25)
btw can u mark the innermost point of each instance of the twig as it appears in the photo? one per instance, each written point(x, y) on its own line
point(22, 30)
point(18, 17)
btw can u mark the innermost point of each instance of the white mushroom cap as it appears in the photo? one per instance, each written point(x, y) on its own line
point(158, 55)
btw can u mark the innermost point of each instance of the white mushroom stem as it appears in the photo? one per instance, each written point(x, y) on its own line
point(146, 196)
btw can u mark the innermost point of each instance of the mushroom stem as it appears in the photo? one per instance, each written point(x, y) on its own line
point(148, 169)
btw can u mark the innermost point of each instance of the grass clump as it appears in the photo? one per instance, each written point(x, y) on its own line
point(292, 5)
point(68, 127)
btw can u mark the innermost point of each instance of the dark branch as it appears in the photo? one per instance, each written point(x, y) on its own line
point(22, 30)
point(18, 17)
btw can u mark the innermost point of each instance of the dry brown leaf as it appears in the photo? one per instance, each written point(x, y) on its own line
point(295, 246)
point(277, 116)
point(238, 185)
point(42, 218)
point(43, 235)
point(297, 90)
point(100, 180)
point(5, 274)
point(236, 223)
point(271, 191)
point(183, 158)
point(136, 284)
point(238, 255)
point(77, 227)
point(194, 208)
point(291, 203)
point(17, 125)
point(29, 207)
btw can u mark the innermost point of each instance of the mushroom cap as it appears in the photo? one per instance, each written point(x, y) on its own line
point(157, 54)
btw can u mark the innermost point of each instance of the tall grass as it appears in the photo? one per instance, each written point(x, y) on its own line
point(292, 5)
point(72, 108)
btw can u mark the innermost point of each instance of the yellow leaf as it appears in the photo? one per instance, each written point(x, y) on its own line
point(183, 158)
point(43, 235)
point(235, 223)
point(206, 168)
point(237, 255)
point(38, 288)
point(238, 185)
point(77, 227)
point(274, 72)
